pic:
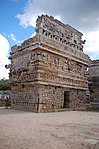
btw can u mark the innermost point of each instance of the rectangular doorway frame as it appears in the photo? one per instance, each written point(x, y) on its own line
point(66, 103)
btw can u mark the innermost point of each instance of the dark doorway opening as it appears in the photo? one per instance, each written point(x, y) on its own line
point(66, 99)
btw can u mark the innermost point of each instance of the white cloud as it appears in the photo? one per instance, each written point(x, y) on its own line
point(92, 44)
point(80, 14)
point(4, 48)
point(12, 36)
point(31, 12)
point(27, 19)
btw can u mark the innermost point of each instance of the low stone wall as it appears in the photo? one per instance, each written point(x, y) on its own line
point(46, 98)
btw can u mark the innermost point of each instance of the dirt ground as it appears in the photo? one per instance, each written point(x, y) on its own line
point(59, 130)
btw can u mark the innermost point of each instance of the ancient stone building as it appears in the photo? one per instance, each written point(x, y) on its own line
point(48, 71)
point(94, 81)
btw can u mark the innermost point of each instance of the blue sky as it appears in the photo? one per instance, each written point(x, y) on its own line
point(18, 19)
point(10, 24)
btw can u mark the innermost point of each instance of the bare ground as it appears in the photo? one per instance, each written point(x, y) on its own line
point(59, 130)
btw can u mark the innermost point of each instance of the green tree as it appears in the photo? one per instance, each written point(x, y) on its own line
point(4, 84)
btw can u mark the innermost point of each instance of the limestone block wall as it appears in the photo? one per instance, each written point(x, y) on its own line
point(46, 98)
point(77, 99)
point(94, 68)
point(51, 98)
point(94, 81)
point(94, 95)
point(25, 97)
point(38, 98)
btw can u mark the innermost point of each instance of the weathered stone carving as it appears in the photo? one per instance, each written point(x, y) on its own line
point(48, 68)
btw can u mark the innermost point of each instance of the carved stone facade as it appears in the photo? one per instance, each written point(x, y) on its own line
point(94, 81)
point(48, 71)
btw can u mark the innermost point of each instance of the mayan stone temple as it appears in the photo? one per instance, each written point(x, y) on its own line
point(48, 71)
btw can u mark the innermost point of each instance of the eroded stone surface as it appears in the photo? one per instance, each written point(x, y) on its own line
point(94, 82)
